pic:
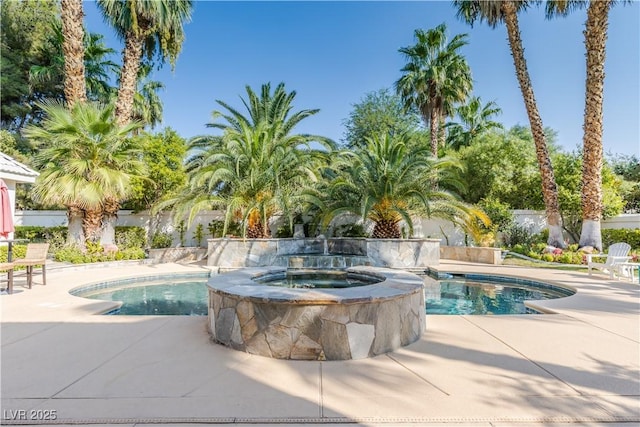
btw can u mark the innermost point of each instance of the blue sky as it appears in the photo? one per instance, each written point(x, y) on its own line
point(333, 53)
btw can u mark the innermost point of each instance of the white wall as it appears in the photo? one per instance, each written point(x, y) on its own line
point(424, 228)
point(125, 218)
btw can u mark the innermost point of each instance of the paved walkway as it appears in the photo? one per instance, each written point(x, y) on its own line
point(580, 366)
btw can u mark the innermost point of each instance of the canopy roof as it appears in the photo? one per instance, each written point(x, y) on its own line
point(12, 169)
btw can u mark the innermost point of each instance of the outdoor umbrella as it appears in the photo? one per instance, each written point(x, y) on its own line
point(6, 218)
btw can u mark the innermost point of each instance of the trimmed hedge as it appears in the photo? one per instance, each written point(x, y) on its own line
point(627, 235)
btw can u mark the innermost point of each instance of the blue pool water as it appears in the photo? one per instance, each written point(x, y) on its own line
point(173, 297)
point(470, 295)
point(485, 296)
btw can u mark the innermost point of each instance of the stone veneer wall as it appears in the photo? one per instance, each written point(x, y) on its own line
point(472, 254)
point(392, 253)
point(321, 324)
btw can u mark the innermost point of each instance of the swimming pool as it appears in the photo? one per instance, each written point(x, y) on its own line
point(479, 294)
point(469, 294)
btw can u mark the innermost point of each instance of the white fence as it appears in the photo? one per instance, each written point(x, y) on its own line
point(424, 228)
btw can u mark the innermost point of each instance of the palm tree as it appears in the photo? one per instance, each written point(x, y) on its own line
point(595, 39)
point(258, 167)
point(147, 27)
point(435, 78)
point(147, 105)
point(87, 158)
point(388, 180)
point(494, 12)
point(475, 120)
point(75, 89)
point(98, 68)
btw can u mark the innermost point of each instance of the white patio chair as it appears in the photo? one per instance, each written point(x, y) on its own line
point(618, 254)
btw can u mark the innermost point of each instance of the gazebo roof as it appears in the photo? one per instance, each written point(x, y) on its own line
point(12, 169)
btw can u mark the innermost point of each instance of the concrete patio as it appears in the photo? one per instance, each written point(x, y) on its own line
point(580, 366)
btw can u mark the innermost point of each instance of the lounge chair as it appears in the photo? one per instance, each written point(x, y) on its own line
point(618, 253)
point(36, 256)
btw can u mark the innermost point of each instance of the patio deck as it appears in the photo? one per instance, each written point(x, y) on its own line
point(580, 366)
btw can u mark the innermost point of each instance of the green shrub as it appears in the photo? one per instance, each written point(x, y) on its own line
point(130, 237)
point(18, 251)
point(565, 258)
point(534, 255)
point(161, 240)
point(94, 253)
point(517, 234)
point(198, 234)
point(29, 232)
point(548, 257)
point(614, 235)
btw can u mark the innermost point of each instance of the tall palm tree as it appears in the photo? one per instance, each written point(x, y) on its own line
point(435, 78)
point(71, 13)
point(595, 40)
point(475, 119)
point(87, 158)
point(495, 12)
point(388, 180)
point(258, 167)
point(98, 67)
point(147, 27)
point(147, 105)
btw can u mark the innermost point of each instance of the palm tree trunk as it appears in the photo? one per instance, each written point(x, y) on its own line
point(549, 188)
point(433, 129)
point(75, 233)
point(91, 224)
point(109, 218)
point(131, 57)
point(386, 229)
point(595, 36)
point(442, 132)
point(71, 14)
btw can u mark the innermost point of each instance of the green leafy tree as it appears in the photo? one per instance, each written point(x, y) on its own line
point(378, 113)
point(388, 180)
point(628, 168)
point(87, 159)
point(435, 78)
point(495, 12)
point(569, 172)
point(163, 153)
point(257, 168)
point(502, 166)
point(26, 41)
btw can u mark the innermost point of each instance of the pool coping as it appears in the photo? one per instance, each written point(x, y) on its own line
point(241, 283)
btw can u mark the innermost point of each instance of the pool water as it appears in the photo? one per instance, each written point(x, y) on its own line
point(460, 296)
point(445, 296)
point(313, 280)
point(185, 297)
